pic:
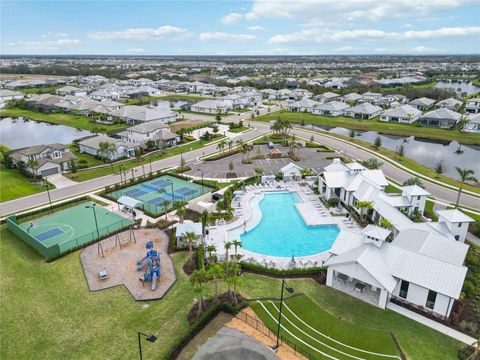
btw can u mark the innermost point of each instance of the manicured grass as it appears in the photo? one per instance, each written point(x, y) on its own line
point(83, 159)
point(60, 318)
point(42, 90)
point(13, 185)
point(76, 121)
point(183, 97)
point(239, 129)
point(390, 189)
point(307, 312)
point(89, 174)
point(374, 125)
point(429, 212)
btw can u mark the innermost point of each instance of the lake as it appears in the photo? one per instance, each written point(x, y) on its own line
point(424, 152)
point(458, 86)
point(19, 133)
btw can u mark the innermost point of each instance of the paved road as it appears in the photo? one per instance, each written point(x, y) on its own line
point(390, 171)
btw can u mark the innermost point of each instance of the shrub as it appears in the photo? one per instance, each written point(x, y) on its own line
point(256, 268)
point(462, 326)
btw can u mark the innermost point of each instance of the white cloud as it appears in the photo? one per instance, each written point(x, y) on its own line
point(255, 28)
point(424, 49)
point(328, 35)
point(221, 36)
point(54, 34)
point(231, 18)
point(43, 45)
point(350, 10)
point(408, 26)
point(139, 33)
point(135, 50)
point(344, 49)
point(415, 50)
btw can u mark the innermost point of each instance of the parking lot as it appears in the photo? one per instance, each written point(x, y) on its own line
point(217, 169)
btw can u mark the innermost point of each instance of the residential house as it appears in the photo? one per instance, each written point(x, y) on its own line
point(351, 98)
point(423, 103)
point(44, 101)
point(270, 94)
point(143, 91)
point(473, 124)
point(286, 94)
point(363, 111)
point(291, 171)
point(450, 103)
point(371, 97)
point(6, 95)
point(104, 95)
point(414, 263)
point(331, 108)
point(133, 114)
point(156, 131)
point(302, 105)
point(405, 114)
point(48, 159)
point(120, 149)
point(473, 106)
point(301, 93)
point(326, 97)
point(212, 107)
point(443, 118)
point(71, 90)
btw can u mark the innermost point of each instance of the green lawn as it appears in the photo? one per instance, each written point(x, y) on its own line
point(183, 97)
point(60, 318)
point(429, 212)
point(374, 125)
point(390, 189)
point(76, 121)
point(89, 174)
point(239, 129)
point(42, 90)
point(13, 185)
point(83, 159)
point(301, 312)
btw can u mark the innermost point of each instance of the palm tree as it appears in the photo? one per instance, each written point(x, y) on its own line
point(364, 205)
point(259, 171)
point(234, 280)
point(165, 204)
point(190, 238)
point(32, 164)
point(230, 145)
point(181, 211)
point(215, 272)
point(221, 146)
point(385, 223)
point(228, 246)
point(236, 244)
point(210, 249)
point(140, 159)
point(198, 279)
point(466, 175)
point(106, 148)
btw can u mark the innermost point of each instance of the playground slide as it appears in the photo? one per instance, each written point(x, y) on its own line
point(141, 266)
point(154, 281)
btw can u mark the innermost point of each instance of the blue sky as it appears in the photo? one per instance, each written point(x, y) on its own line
point(309, 27)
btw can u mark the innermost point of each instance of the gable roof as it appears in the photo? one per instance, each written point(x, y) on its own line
point(454, 216)
point(182, 229)
point(414, 190)
point(332, 106)
point(404, 111)
point(365, 108)
point(443, 113)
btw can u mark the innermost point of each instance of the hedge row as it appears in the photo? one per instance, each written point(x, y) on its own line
point(247, 266)
point(198, 326)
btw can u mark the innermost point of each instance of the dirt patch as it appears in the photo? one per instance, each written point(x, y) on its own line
point(121, 253)
point(184, 124)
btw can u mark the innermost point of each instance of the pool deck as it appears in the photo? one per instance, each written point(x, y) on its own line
point(311, 210)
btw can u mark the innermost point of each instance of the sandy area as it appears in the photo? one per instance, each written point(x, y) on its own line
point(120, 263)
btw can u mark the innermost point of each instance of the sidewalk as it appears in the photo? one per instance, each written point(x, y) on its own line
point(432, 324)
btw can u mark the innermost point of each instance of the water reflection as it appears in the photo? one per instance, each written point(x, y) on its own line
point(459, 86)
point(19, 133)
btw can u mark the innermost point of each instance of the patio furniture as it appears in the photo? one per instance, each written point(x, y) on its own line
point(103, 274)
point(359, 287)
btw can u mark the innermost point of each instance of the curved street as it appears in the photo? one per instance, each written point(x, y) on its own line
point(396, 174)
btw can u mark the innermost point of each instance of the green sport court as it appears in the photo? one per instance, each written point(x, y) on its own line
point(73, 227)
point(153, 193)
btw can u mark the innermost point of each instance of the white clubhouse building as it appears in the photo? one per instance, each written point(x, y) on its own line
point(416, 263)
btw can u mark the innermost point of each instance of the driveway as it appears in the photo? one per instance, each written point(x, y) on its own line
point(60, 181)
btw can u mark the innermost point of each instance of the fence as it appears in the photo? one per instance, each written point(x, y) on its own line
point(291, 345)
point(72, 244)
point(32, 215)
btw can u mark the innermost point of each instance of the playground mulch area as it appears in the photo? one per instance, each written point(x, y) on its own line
point(120, 263)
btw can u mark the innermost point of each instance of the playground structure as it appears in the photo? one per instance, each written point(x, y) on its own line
point(151, 263)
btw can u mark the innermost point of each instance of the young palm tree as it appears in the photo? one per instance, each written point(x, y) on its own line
point(140, 159)
point(210, 249)
point(234, 280)
point(230, 145)
point(364, 205)
point(236, 244)
point(105, 148)
point(259, 171)
point(221, 146)
point(181, 211)
point(466, 175)
point(215, 272)
point(32, 164)
point(165, 204)
point(190, 238)
point(228, 246)
point(198, 279)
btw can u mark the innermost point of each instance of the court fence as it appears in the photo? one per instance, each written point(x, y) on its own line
point(57, 250)
point(291, 345)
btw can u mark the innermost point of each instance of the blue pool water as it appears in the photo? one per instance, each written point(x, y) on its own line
point(282, 231)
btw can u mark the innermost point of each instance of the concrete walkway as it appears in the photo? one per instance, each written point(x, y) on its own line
point(432, 324)
point(473, 239)
point(60, 181)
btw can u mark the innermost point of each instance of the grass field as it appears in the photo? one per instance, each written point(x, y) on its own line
point(374, 125)
point(60, 318)
point(13, 185)
point(76, 121)
point(320, 333)
point(42, 90)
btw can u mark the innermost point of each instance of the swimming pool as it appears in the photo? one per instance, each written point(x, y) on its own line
point(281, 231)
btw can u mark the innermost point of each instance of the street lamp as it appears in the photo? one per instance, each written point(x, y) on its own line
point(48, 193)
point(202, 180)
point(95, 216)
point(151, 338)
point(290, 290)
point(171, 184)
